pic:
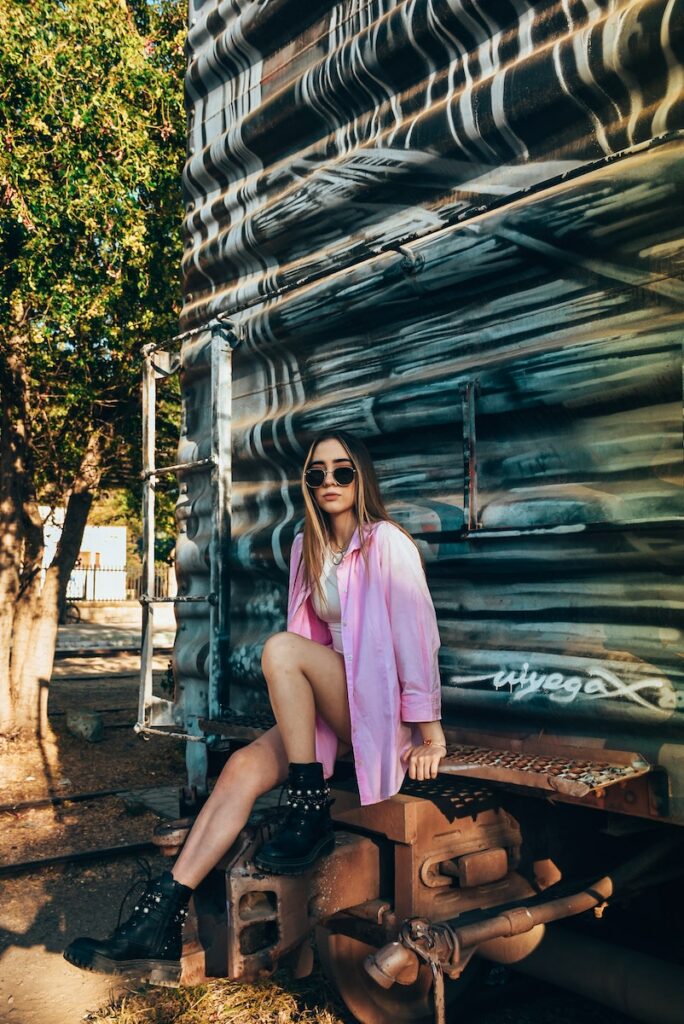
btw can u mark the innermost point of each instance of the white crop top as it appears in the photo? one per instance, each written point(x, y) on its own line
point(331, 610)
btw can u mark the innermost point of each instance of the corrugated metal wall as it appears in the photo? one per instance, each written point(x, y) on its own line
point(446, 222)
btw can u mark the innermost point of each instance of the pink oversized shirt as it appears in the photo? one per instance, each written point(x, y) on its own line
point(390, 639)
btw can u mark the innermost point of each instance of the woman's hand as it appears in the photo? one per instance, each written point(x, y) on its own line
point(422, 761)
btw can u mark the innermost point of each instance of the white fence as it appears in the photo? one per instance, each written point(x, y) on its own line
point(101, 583)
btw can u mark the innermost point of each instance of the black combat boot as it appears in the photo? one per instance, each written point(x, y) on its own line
point(307, 832)
point(148, 945)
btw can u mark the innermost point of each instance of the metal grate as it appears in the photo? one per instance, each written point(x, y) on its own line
point(561, 774)
point(238, 726)
point(456, 797)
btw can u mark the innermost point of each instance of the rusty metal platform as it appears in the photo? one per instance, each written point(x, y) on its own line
point(560, 769)
point(564, 770)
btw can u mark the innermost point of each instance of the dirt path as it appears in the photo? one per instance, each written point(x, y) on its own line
point(39, 914)
point(42, 911)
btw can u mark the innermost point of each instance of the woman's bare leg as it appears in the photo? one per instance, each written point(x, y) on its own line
point(304, 677)
point(246, 775)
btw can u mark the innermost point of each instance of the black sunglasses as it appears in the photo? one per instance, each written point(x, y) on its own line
point(342, 475)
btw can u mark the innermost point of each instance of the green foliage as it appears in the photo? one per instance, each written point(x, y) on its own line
point(92, 146)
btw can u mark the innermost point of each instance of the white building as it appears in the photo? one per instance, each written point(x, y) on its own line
point(100, 572)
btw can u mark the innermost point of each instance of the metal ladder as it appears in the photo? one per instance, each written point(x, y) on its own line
point(157, 715)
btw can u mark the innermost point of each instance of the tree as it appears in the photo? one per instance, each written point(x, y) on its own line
point(92, 130)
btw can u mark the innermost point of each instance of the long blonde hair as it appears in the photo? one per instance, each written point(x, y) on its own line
point(369, 506)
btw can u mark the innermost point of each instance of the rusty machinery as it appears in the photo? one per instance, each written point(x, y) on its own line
point(420, 883)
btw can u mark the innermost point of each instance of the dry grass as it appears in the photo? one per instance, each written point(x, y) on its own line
point(277, 1001)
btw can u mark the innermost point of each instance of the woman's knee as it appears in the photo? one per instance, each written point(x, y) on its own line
point(244, 772)
point(278, 649)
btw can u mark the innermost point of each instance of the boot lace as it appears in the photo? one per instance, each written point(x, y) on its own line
point(148, 900)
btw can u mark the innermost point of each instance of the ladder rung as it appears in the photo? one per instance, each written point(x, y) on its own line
point(178, 599)
point(167, 730)
point(188, 467)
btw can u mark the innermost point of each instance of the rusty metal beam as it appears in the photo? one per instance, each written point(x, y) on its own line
point(662, 284)
point(645, 988)
point(447, 946)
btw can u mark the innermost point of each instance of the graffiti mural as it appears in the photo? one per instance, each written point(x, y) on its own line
point(455, 227)
point(599, 684)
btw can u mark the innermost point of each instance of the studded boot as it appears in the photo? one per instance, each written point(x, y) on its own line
point(148, 945)
point(307, 832)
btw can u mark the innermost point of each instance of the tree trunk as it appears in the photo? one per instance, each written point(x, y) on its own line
point(10, 561)
point(34, 635)
point(30, 597)
point(81, 496)
point(25, 666)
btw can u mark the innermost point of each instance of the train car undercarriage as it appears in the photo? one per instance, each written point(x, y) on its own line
point(424, 889)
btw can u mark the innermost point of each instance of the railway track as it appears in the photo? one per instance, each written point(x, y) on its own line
point(135, 800)
point(22, 808)
point(76, 857)
point(67, 700)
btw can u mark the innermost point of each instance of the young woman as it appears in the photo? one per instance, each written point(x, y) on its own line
point(357, 668)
